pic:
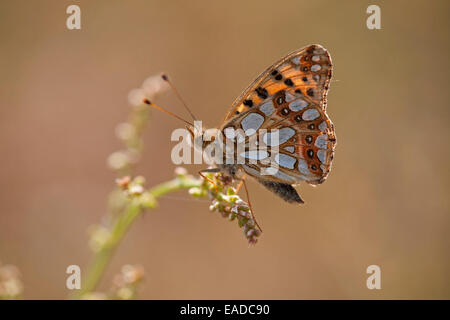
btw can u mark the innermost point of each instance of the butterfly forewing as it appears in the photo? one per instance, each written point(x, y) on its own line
point(291, 96)
point(307, 70)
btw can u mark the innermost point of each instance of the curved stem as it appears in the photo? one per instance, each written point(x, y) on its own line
point(122, 225)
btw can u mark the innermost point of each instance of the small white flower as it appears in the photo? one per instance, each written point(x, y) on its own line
point(125, 131)
point(118, 160)
point(136, 189)
point(180, 171)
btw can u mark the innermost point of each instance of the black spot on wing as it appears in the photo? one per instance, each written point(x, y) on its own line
point(262, 93)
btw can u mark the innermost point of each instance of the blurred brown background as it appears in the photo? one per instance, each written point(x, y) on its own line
point(385, 202)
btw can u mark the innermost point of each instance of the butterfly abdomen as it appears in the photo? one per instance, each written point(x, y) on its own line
point(283, 190)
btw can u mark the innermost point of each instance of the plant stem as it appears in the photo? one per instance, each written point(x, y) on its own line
point(122, 225)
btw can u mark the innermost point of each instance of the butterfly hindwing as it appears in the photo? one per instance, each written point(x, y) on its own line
point(310, 149)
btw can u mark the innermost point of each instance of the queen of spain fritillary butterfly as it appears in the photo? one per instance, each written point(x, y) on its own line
point(289, 96)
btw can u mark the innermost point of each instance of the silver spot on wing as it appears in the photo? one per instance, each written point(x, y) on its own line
point(285, 161)
point(255, 154)
point(290, 149)
point(322, 141)
point(267, 108)
point(323, 126)
point(310, 114)
point(298, 105)
point(284, 135)
point(322, 155)
point(303, 167)
point(252, 121)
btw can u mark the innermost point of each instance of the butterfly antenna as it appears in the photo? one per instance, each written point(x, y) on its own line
point(151, 104)
point(165, 78)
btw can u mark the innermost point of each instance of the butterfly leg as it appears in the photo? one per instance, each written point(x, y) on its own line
point(250, 205)
point(240, 185)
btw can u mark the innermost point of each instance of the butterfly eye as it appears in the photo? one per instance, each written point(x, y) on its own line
point(308, 139)
point(312, 126)
point(298, 118)
point(285, 111)
point(304, 69)
point(310, 153)
point(314, 167)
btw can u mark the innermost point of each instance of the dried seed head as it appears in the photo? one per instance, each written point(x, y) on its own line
point(231, 206)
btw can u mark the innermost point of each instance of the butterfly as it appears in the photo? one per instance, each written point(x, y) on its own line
point(291, 97)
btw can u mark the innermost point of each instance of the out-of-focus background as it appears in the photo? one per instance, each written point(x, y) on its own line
point(63, 92)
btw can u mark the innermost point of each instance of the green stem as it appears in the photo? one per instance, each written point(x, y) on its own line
point(122, 225)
